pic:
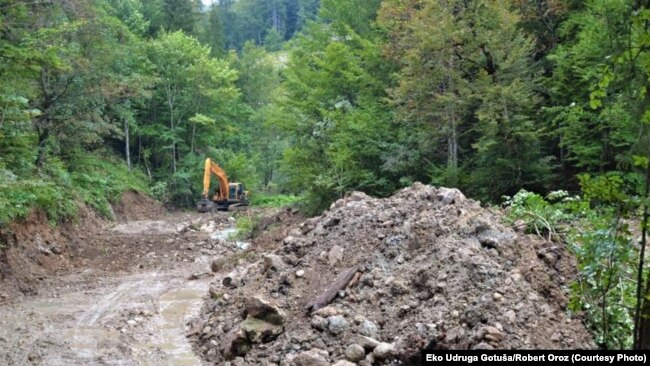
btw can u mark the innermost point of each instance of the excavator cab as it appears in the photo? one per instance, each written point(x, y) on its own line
point(237, 193)
point(226, 194)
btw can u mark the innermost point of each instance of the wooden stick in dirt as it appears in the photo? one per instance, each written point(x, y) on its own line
point(339, 284)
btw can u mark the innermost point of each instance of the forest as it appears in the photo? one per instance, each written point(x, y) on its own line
point(540, 106)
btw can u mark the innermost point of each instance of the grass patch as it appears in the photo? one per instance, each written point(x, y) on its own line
point(274, 200)
point(244, 226)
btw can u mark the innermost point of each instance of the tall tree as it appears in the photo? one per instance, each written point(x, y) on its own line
point(335, 112)
point(465, 84)
point(179, 15)
point(190, 82)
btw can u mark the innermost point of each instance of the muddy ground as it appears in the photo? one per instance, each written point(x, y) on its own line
point(108, 293)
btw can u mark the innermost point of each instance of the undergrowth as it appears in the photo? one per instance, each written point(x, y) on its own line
point(598, 232)
point(59, 186)
point(245, 226)
point(274, 200)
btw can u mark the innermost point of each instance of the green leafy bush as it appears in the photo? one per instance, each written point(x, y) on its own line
point(245, 225)
point(544, 217)
point(18, 198)
point(98, 182)
point(596, 229)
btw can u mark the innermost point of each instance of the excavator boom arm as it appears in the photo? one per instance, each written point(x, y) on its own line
point(213, 168)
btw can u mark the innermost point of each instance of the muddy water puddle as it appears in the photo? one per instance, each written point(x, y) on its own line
point(176, 307)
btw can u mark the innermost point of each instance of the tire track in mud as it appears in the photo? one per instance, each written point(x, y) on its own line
point(84, 321)
point(90, 317)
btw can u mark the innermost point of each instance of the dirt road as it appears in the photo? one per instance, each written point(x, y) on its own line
point(129, 303)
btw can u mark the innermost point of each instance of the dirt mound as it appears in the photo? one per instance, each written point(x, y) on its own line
point(137, 206)
point(34, 249)
point(424, 268)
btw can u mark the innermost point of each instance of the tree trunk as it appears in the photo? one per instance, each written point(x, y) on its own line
point(193, 135)
point(275, 16)
point(42, 142)
point(127, 146)
point(641, 319)
point(452, 138)
point(139, 148)
point(171, 127)
point(641, 332)
point(452, 151)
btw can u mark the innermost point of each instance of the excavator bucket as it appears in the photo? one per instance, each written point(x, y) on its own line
point(205, 205)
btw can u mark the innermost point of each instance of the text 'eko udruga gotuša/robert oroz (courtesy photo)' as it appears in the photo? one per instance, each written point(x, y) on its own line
point(514, 357)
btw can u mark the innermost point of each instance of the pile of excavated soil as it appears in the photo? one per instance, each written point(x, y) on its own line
point(34, 249)
point(137, 206)
point(425, 268)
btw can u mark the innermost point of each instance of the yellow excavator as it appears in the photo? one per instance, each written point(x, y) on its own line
point(226, 194)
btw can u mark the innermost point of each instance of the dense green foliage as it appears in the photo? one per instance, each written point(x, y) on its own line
point(602, 243)
point(317, 98)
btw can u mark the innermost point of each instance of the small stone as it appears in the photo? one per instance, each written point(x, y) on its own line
point(483, 346)
point(225, 297)
point(272, 261)
point(300, 273)
point(556, 337)
point(355, 353)
point(131, 323)
point(335, 255)
point(259, 308)
point(368, 328)
point(337, 324)
point(367, 343)
point(454, 334)
point(217, 264)
point(493, 333)
point(511, 316)
point(318, 322)
point(310, 358)
point(235, 343)
point(260, 331)
point(327, 311)
point(383, 351)
point(369, 360)
point(344, 363)
point(450, 196)
point(519, 226)
point(123, 330)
